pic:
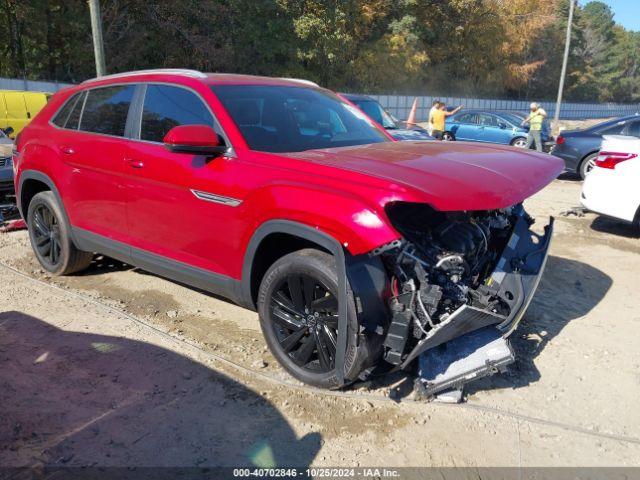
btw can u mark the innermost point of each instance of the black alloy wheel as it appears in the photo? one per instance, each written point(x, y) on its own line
point(304, 314)
point(50, 236)
point(298, 307)
point(46, 233)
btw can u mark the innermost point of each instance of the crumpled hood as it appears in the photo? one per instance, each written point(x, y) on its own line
point(449, 175)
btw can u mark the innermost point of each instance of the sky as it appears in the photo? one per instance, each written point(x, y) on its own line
point(627, 12)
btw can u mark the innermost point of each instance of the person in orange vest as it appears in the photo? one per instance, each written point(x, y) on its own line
point(438, 119)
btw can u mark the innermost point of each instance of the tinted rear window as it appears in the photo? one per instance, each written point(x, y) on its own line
point(106, 109)
point(613, 129)
point(634, 129)
point(166, 107)
point(63, 114)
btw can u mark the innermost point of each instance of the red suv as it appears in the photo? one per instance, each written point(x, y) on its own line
point(358, 252)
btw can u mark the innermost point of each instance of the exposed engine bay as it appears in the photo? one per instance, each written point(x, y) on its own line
point(441, 274)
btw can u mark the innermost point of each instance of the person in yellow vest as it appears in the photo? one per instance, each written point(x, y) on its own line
point(438, 119)
point(535, 121)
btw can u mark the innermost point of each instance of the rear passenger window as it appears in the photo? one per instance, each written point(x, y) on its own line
point(166, 107)
point(62, 116)
point(74, 117)
point(106, 109)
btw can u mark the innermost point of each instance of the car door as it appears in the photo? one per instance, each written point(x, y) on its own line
point(465, 126)
point(181, 208)
point(92, 145)
point(490, 130)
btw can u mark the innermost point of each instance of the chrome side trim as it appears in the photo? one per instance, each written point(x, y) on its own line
point(211, 197)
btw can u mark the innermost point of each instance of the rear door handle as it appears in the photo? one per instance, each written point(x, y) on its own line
point(135, 163)
point(67, 150)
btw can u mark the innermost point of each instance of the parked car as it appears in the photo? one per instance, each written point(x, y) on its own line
point(491, 127)
point(6, 168)
point(611, 188)
point(357, 251)
point(375, 111)
point(579, 148)
point(17, 108)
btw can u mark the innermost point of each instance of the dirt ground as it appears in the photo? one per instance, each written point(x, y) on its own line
point(119, 367)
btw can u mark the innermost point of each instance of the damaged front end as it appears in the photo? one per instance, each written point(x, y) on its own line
point(453, 273)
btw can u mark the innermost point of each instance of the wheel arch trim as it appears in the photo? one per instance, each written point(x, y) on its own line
point(43, 178)
point(320, 238)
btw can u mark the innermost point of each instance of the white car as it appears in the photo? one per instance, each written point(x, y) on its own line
point(612, 188)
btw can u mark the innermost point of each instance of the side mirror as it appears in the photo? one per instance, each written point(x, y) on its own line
point(502, 125)
point(194, 139)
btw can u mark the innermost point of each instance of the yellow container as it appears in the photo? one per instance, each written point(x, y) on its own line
point(17, 108)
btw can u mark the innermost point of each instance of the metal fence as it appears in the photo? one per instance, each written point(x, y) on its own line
point(31, 85)
point(400, 105)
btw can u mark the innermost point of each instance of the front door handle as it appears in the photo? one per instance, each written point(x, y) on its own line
point(135, 163)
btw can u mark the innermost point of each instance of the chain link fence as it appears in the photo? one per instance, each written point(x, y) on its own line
point(400, 105)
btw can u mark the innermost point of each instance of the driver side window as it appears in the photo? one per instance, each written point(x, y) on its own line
point(487, 120)
point(166, 107)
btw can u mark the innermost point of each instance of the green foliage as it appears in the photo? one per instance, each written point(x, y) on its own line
point(455, 47)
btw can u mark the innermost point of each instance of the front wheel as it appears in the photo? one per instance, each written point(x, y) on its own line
point(298, 308)
point(448, 137)
point(519, 142)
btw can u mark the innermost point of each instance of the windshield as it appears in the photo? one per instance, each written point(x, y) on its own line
point(295, 119)
point(376, 112)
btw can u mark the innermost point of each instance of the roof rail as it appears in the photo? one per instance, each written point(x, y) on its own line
point(301, 80)
point(173, 71)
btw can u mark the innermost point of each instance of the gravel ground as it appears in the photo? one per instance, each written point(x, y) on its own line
point(119, 367)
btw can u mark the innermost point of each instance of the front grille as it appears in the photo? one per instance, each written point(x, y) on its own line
point(4, 161)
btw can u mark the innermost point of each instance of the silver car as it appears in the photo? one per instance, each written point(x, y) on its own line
point(6, 170)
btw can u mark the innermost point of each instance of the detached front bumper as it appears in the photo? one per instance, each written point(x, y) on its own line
point(520, 269)
point(514, 280)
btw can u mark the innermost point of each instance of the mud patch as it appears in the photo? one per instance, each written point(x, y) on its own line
point(336, 417)
point(160, 309)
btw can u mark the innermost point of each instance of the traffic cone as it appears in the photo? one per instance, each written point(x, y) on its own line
point(412, 114)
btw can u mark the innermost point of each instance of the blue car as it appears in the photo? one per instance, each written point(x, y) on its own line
point(492, 127)
point(375, 111)
point(579, 148)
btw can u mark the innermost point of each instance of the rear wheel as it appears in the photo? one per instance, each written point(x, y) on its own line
point(298, 307)
point(50, 237)
point(587, 165)
point(519, 142)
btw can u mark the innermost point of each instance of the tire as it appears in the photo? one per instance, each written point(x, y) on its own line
point(300, 324)
point(448, 137)
point(50, 237)
point(587, 164)
point(519, 142)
